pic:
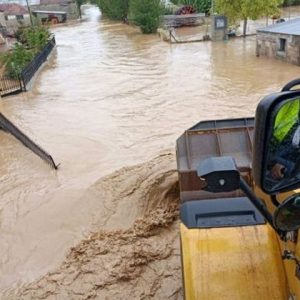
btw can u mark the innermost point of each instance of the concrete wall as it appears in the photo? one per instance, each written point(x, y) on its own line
point(268, 44)
point(70, 9)
point(2, 26)
point(2, 19)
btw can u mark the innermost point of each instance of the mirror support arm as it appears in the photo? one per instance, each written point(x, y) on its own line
point(258, 204)
point(274, 200)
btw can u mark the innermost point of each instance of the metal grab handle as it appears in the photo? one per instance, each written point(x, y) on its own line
point(290, 85)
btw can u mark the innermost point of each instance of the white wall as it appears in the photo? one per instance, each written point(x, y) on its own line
point(2, 19)
point(21, 2)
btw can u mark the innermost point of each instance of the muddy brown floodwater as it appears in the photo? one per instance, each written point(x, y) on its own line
point(109, 106)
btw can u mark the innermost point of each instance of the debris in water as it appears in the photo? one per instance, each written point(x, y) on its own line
point(138, 262)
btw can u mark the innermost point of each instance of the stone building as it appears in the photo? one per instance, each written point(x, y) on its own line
point(281, 41)
point(12, 16)
point(68, 6)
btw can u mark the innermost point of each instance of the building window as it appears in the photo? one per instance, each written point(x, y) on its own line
point(6, 18)
point(20, 17)
point(282, 45)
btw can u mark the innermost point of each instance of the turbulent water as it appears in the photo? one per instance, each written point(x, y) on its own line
point(110, 98)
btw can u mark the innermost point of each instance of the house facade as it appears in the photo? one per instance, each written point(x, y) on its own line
point(280, 41)
point(53, 17)
point(13, 16)
point(67, 6)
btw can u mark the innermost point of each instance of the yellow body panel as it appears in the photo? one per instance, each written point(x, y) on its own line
point(232, 263)
point(289, 265)
point(296, 280)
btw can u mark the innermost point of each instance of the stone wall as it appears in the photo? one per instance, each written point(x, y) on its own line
point(268, 44)
point(70, 9)
point(168, 21)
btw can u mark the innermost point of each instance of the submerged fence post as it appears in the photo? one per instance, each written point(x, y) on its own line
point(22, 83)
point(29, 71)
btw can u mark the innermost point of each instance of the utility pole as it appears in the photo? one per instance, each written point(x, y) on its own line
point(30, 15)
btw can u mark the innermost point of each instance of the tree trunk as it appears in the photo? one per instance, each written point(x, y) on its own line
point(245, 27)
point(78, 4)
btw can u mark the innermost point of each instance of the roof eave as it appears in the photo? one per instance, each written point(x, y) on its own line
point(274, 32)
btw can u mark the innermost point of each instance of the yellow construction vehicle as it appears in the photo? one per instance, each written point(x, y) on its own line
point(240, 208)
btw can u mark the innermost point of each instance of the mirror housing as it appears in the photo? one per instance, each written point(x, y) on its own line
point(287, 215)
point(269, 152)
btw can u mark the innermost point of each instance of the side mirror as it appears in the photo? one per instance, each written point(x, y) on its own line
point(276, 153)
point(287, 215)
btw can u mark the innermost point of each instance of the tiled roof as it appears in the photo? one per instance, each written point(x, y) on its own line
point(13, 9)
point(291, 27)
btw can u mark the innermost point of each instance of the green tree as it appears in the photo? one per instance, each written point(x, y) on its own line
point(114, 9)
point(247, 9)
point(291, 2)
point(145, 14)
point(78, 4)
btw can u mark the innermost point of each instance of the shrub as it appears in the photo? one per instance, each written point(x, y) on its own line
point(30, 41)
point(145, 14)
point(16, 60)
point(33, 37)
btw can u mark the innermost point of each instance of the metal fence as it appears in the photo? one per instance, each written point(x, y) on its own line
point(8, 126)
point(10, 86)
point(29, 71)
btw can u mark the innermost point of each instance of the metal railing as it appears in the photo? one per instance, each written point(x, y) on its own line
point(29, 71)
point(9, 85)
point(8, 126)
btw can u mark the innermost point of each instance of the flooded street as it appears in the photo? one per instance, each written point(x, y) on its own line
point(109, 98)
